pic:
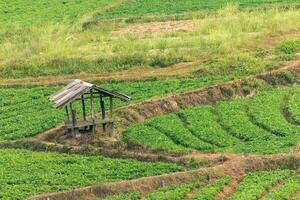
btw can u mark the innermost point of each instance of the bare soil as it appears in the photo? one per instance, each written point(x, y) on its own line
point(157, 28)
point(181, 69)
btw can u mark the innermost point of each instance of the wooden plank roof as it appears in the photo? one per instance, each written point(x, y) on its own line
point(77, 88)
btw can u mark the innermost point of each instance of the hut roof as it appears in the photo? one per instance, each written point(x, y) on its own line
point(77, 88)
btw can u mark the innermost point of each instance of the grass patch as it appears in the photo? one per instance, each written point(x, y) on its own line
point(62, 49)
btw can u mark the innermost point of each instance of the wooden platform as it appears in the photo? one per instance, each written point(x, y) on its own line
point(87, 123)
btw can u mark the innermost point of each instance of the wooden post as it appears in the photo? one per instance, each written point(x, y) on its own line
point(102, 111)
point(67, 114)
point(73, 115)
point(83, 108)
point(92, 110)
point(111, 106)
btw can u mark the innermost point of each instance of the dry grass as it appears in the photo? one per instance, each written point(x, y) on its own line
point(64, 49)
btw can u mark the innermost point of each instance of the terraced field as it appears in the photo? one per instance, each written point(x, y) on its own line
point(263, 124)
point(215, 110)
point(25, 173)
point(275, 185)
point(39, 115)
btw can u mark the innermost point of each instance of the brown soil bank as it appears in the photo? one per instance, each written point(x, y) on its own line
point(287, 75)
point(235, 168)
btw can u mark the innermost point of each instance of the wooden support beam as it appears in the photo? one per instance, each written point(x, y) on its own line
point(102, 107)
point(111, 106)
point(67, 114)
point(73, 115)
point(83, 108)
point(92, 110)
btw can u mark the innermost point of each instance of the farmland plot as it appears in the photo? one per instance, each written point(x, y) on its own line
point(250, 125)
point(24, 173)
point(156, 7)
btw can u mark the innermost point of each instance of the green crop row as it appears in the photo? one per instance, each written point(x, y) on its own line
point(28, 13)
point(24, 173)
point(210, 191)
point(249, 125)
point(233, 115)
point(286, 190)
point(155, 7)
point(129, 196)
point(267, 111)
point(174, 192)
point(202, 122)
point(172, 127)
point(151, 137)
point(255, 184)
point(177, 192)
point(294, 106)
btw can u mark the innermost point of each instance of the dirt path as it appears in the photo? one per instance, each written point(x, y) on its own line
point(275, 39)
point(229, 189)
point(178, 69)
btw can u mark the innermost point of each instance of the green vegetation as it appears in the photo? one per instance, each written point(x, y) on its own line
point(172, 127)
point(25, 173)
point(209, 192)
point(286, 190)
point(129, 196)
point(266, 110)
point(255, 184)
point(293, 107)
point(174, 192)
point(233, 114)
point(29, 13)
point(202, 122)
point(38, 114)
point(155, 7)
point(249, 125)
point(227, 34)
point(26, 112)
point(150, 137)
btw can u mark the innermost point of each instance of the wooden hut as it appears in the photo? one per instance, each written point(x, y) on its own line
point(84, 92)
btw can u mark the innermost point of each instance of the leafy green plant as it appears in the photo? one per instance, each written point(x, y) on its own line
point(203, 124)
point(254, 184)
point(286, 190)
point(152, 7)
point(130, 196)
point(266, 110)
point(151, 137)
point(210, 191)
point(172, 126)
point(173, 192)
point(25, 173)
point(293, 106)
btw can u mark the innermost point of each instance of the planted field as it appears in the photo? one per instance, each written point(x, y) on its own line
point(149, 49)
point(178, 192)
point(29, 13)
point(210, 191)
point(25, 112)
point(266, 185)
point(156, 7)
point(251, 125)
point(255, 184)
point(25, 173)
